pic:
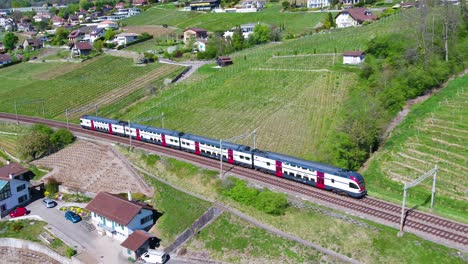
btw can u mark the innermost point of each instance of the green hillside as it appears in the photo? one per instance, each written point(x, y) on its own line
point(435, 132)
point(295, 23)
point(292, 96)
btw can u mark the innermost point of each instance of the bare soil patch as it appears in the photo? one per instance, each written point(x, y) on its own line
point(156, 31)
point(20, 255)
point(63, 69)
point(91, 167)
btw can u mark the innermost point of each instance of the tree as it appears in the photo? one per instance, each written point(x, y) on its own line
point(10, 40)
point(34, 144)
point(329, 21)
point(286, 5)
point(261, 34)
point(60, 138)
point(238, 39)
point(109, 34)
point(61, 36)
point(84, 4)
point(98, 45)
point(271, 203)
point(334, 2)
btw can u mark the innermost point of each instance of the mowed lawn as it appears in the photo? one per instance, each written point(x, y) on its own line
point(294, 22)
point(434, 133)
point(61, 87)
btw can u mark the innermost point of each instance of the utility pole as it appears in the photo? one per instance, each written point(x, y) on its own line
point(254, 133)
point(143, 120)
point(16, 113)
point(66, 115)
point(130, 134)
point(412, 184)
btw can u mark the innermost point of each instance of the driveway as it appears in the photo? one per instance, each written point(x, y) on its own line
point(91, 247)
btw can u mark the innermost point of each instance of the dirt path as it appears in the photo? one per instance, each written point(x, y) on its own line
point(195, 65)
point(405, 111)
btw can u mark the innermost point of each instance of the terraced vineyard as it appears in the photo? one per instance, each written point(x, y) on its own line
point(435, 133)
point(25, 83)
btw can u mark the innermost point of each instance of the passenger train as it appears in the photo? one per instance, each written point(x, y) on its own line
point(311, 173)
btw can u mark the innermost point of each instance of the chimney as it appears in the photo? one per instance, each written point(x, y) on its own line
point(10, 175)
point(129, 195)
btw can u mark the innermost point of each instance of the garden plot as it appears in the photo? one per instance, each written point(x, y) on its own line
point(91, 167)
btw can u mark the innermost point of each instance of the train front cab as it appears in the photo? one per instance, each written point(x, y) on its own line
point(357, 186)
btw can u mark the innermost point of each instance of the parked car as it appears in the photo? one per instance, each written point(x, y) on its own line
point(73, 217)
point(49, 203)
point(20, 211)
point(155, 256)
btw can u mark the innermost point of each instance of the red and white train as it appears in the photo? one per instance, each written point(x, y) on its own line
point(311, 173)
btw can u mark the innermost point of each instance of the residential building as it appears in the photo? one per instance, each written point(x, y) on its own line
point(125, 38)
point(95, 34)
point(204, 5)
point(193, 34)
point(108, 24)
point(353, 57)
point(81, 49)
point(33, 44)
point(353, 17)
point(14, 180)
point(76, 35)
point(140, 2)
point(2, 48)
point(200, 44)
point(349, 2)
point(138, 243)
point(118, 217)
point(58, 21)
point(318, 3)
point(247, 30)
point(120, 5)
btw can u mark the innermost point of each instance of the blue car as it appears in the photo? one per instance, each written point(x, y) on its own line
point(74, 218)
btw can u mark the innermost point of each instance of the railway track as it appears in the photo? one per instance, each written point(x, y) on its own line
point(431, 227)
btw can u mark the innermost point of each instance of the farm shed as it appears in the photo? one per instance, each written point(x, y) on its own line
point(353, 57)
point(81, 49)
point(137, 243)
point(223, 61)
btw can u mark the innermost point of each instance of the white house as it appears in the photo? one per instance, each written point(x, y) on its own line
point(108, 24)
point(14, 187)
point(118, 217)
point(353, 57)
point(125, 38)
point(95, 34)
point(200, 44)
point(318, 3)
point(353, 17)
point(247, 30)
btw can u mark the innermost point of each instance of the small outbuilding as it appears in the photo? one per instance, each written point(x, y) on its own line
point(138, 243)
point(224, 61)
point(353, 57)
point(5, 59)
point(81, 49)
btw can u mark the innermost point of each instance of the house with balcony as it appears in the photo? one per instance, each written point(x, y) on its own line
point(118, 217)
point(14, 187)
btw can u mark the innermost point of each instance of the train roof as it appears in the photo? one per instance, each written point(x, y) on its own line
point(155, 129)
point(304, 163)
point(101, 119)
point(215, 142)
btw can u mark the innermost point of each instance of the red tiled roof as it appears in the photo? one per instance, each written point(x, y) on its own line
point(83, 46)
point(115, 208)
point(197, 29)
point(13, 168)
point(360, 14)
point(136, 240)
point(353, 53)
point(34, 42)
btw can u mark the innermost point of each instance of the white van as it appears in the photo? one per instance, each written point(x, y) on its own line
point(154, 256)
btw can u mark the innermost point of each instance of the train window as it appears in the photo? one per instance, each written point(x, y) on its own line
point(247, 158)
point(268, 164)
point(176, 141)
point(241, 157)
point(333, 180)
point(353, 186)
point(292, 174)
point(312, 180)
point(285, 172)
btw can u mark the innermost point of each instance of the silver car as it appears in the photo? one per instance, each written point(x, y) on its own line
point(49, 203)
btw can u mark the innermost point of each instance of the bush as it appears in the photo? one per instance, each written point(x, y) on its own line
point(70, 252)
point(17, 226)
point(52, 186)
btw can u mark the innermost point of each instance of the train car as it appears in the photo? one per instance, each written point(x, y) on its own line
point(232, 153)
point(159, 136)
point(312, 173)
point(101, 124)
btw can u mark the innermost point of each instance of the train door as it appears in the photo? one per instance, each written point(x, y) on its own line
point(163, 140)
point(320, 180)
point(197, 147)
point(138, 137)
point(110, 128)
point(279, 169)
point(92, 124)
point(230, 156)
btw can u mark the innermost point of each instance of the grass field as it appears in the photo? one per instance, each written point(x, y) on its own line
point(295, 23)
point(434, 133)
point(9, 134)
point(227, 242)
point(64, 85)
point(178, 210)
